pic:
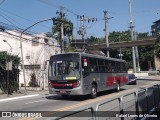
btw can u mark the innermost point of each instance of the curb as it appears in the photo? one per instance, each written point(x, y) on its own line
point(20, 97)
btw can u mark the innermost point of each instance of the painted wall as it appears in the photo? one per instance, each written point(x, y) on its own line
point(33, 55)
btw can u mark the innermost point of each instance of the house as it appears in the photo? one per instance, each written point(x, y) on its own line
point(37, 49)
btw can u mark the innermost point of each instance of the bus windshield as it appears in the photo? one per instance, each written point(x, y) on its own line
point(66, 70)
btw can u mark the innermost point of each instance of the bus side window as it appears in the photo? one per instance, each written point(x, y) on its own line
point(124, 67)
point(118, 67)
point(108, 66)
point(113, 66)
point(93, 65)
point(101, 65)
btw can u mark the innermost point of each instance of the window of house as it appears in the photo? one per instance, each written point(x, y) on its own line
point(27, 57)
point(45, 40)
point(35, 41)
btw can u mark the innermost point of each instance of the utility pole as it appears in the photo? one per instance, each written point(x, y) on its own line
point(106, 30)
point(137, 55)
point(61, 16)
point(82, 30)
point(132, 37)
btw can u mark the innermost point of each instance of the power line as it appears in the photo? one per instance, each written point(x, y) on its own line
point(7, 17)
point(57, 6)
point(8, 20)
point(16, 15)
point(49, 3)
point(81, 31)
point(12, 24)
point(2, 2)
point(11, 13)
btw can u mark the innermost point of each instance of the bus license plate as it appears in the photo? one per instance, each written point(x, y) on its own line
point(62, 91)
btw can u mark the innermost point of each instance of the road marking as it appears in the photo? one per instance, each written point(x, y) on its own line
point(35, 101)
point(14, 98)
point(92, 101)
point(87, 102)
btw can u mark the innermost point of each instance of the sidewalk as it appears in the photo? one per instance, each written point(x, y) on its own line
point(22, 94)
point(156, 77)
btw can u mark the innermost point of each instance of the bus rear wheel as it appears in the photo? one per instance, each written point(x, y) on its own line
point(93, 91)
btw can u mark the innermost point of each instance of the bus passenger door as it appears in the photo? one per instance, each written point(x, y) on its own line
point(102, 75)
point(86, 75)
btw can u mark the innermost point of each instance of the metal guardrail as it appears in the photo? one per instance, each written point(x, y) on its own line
point(141, 105)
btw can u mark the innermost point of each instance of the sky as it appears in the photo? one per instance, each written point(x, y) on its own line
point(23, 13)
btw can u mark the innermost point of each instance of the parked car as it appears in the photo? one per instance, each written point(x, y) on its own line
point(132, 79)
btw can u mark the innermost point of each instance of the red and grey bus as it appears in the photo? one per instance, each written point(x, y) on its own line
point(82, 74)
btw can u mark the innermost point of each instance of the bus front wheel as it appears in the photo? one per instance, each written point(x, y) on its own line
point(93, 91)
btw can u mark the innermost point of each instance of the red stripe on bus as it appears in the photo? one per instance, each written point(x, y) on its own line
point(110, 81)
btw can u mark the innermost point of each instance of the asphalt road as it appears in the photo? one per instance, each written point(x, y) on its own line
point(48, 102)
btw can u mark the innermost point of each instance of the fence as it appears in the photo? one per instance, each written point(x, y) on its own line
point(144, 104)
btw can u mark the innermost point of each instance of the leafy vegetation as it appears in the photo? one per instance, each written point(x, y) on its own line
point(13, 74)
point(67, 29)
point(146, 53)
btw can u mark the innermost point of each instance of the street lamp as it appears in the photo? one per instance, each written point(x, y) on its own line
point(8, 44)
point(22, 47)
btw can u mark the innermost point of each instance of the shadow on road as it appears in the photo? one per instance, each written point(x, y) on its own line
point(81, 97)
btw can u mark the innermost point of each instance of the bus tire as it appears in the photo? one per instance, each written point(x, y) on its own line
point(118, 86)
point(93, 91)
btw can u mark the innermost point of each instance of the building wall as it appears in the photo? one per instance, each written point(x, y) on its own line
point(33, 55)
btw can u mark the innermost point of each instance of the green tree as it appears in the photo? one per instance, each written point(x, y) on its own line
point(94, 40)
point(119, 37)
point(146, 53)
point(13, 74)
point(68, 29)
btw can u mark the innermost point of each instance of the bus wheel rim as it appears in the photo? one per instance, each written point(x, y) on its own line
point(118, 87)
point(93, 91)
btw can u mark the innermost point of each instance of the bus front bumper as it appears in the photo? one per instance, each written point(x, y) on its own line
point(74, 91)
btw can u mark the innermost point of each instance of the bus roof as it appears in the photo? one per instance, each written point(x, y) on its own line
point(92, 55)
point(101, 57)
